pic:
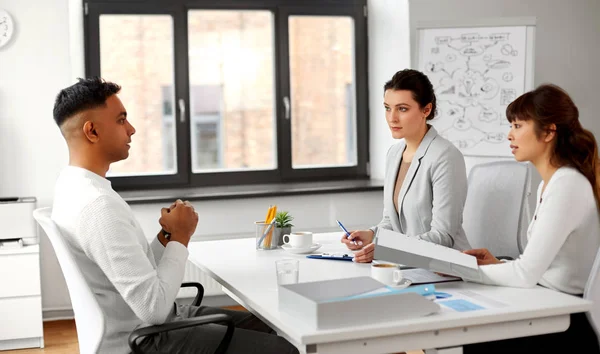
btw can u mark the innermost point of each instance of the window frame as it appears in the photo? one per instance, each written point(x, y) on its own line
point(281, 10)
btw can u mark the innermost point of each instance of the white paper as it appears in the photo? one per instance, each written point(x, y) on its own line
point(472, 298)
point(419, 275)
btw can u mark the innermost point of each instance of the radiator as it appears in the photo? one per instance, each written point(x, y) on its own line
point(192, 273)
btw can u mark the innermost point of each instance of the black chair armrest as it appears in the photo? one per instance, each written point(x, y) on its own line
point(200, 293)
point(189, 322)
point(508, 258)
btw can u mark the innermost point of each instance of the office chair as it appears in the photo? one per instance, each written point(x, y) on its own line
point(592, 293)
point(89, 317)
point(496, 210)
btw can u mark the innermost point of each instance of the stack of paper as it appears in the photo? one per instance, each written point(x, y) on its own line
point(424, 276)
point(346, 302)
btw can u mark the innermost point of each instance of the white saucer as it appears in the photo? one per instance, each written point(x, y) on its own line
point(301, 250)
point(405, 283)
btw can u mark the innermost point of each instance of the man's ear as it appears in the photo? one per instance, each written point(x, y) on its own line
point(550, 133)
point(89, 131)
point(427, 110)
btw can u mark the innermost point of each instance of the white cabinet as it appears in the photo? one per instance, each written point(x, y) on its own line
point(20, 298)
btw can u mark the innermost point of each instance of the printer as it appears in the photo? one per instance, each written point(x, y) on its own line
point(17, 222)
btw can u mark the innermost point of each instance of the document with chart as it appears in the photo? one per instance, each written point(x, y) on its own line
point(395, 247)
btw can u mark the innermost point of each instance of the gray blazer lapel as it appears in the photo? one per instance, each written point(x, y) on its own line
point(391, 184)
point(414, 166)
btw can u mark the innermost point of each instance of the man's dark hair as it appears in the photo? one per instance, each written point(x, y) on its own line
point(85, 94)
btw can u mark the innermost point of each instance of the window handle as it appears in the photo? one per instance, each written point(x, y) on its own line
point(286, 103)
point(181, 103)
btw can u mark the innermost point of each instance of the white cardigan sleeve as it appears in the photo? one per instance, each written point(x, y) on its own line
point(111, 240)
point(157, 249)
point(558, 215)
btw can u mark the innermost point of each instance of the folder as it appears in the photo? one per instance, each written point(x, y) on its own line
point(398, 248)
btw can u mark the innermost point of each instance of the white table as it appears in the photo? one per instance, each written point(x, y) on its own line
point(248, 276)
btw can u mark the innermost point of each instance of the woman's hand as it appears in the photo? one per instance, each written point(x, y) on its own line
point(365, 255)
point(358, 239)
point(483, 255)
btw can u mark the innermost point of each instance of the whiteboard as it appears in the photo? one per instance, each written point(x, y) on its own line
point(476, 72)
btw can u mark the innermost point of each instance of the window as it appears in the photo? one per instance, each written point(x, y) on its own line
point(235, 92)
point(206, 149)
point(206, 117)
point(205, 128)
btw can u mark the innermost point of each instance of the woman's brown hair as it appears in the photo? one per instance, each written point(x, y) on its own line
point(574, 146)
point(420, 86)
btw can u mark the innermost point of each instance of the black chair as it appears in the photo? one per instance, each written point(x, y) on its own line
point(140, 333)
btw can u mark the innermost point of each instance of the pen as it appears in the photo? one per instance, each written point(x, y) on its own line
point(346, 231)
point(266, 232)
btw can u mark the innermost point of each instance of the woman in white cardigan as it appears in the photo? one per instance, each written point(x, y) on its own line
point(564, 234)
point(425, 182)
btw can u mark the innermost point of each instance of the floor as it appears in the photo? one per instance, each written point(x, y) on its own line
point(60, 337)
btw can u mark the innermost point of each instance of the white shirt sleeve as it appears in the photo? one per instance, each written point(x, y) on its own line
point(111, 240)
point(558, 216)
point(157, 249)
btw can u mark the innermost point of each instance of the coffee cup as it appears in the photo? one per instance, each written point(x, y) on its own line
point(386, 273)
point(301, 239)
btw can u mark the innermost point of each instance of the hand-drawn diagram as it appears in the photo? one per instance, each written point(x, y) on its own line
point(476, 73)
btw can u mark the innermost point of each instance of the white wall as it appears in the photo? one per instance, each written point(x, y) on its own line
point(45, 56)
point(234, 218)
point(390, 28)
point(33, 68)
point(566, 44)
point(389, 51)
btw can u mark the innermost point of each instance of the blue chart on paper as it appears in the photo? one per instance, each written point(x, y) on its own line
point(460, 305)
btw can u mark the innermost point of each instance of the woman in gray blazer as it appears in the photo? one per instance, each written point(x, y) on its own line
point(425, 181)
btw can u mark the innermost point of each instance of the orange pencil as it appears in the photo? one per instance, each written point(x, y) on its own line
point(267, 218)
point(269, 236)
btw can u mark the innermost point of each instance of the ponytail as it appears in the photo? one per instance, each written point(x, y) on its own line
point(577, 147)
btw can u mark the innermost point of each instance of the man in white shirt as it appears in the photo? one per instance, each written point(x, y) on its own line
point(134, 282)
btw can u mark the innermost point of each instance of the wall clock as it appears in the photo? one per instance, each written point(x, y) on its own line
point(7, 27)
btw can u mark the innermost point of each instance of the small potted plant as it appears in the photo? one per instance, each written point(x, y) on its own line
point(283, 225)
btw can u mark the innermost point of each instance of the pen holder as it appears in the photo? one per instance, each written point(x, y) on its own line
point(265, 236)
